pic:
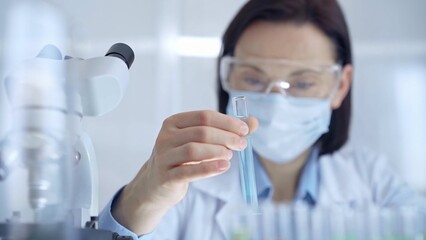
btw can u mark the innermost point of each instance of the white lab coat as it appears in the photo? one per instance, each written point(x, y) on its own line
point(347, 177)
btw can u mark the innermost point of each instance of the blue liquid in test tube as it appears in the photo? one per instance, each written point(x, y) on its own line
point(247, 177)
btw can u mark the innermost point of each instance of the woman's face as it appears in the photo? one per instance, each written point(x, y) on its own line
point(303, 43)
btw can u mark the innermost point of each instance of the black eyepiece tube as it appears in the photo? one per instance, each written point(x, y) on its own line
point(122, 51)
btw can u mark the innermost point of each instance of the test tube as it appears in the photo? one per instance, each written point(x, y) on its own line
point(247, 177)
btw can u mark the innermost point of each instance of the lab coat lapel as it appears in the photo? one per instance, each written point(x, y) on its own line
point(339, 182)
point(224, 218)
point(226, 189)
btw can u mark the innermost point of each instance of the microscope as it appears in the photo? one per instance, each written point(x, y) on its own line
point(48, 169)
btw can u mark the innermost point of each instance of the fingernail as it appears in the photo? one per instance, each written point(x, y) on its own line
point(243, 143)
point(222, 165)
point(244, 129)
point(230, 154)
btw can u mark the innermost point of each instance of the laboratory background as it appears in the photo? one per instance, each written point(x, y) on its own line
point(176, 43)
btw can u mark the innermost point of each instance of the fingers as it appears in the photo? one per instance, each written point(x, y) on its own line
point(211, 119)
point(198, 137)
point(196, 152)
point(203, 134)
point(187, 173)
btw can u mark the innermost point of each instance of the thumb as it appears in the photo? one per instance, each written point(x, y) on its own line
point(252, 123)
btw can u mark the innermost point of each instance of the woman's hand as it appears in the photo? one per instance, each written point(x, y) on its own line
point(190, 146)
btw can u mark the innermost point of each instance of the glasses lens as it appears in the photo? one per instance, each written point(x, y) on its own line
point(311, 84)
point(290, 79)
point(247, 78)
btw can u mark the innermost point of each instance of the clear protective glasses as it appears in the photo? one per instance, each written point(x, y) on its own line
point(288, 77)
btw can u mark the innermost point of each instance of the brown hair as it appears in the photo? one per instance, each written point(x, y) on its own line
point(324, 14)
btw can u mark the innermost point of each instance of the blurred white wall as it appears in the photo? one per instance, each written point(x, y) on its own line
point(389, 90)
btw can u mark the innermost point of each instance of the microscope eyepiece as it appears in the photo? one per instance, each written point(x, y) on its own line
point(122, 51)
point(51, 52)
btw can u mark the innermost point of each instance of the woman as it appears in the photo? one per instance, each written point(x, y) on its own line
point(292, 60)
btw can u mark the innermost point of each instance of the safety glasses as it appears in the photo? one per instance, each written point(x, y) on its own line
point(290, 78)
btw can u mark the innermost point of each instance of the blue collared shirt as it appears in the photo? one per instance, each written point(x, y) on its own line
point(307, 189)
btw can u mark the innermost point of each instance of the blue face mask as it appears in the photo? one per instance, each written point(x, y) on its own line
point(287, 126)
